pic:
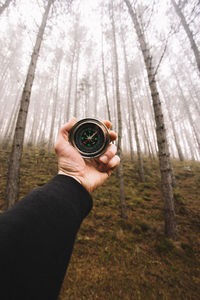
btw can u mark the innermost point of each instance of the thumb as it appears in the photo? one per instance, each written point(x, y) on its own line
point(64, 130)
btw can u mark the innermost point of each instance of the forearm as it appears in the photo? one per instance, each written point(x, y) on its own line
point(37, 237)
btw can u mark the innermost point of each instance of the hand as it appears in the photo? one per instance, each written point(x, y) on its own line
point(91, 173)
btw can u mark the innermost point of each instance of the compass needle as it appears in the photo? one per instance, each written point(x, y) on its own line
point(90, 137)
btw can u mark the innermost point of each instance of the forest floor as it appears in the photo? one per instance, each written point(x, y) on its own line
point(128, 259)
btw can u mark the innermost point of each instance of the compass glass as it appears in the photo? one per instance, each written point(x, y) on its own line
point(89, 138)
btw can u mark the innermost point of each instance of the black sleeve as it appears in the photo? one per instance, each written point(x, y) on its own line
point(37, 237)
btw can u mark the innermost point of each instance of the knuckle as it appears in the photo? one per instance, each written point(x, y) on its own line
point(113, 150)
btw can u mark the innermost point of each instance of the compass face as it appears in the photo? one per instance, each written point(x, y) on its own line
point(91, 138)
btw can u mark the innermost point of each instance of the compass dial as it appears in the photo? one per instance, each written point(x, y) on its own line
point(90, 137)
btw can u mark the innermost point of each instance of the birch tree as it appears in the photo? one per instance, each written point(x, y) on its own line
point(119, 115)
point(104, 75)
point(189, 33)
point(12, 188)
point(4, 6)
point(164, 156)
point(133, 110)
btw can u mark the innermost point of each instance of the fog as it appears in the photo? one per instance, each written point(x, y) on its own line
point(69, 76)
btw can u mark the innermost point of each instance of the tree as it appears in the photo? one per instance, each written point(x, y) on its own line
point(12, 187)
point(119, 116)
point(164, 156)
point(188, 32)
point(133, 111)
point(176, 137)
point(104, 75)
point(4, 6)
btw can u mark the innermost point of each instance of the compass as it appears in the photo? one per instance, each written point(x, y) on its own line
point(90, 137)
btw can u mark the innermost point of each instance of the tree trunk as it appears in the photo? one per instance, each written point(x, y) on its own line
point(164, 156)
point(96, 92)
point(119, 145)
point(17, 147)
point(11, 122)
point(146, 137)
point(176, 138)
point(188, 139)
point(187, 109)
point(188, 32)
point(129, 127)
point(4, 6)
point(76, 83)
point(54, 109)
point(68, 101)
point(104, 79)
point(133, 113)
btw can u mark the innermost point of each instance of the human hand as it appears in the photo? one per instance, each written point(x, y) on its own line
point(91, 173)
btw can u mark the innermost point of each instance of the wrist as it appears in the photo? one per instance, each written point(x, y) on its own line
point(77, 178)
point(69, 175)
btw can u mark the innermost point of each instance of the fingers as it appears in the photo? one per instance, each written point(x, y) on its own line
point(109, 160)
point(108, 124)
point(113, 163)
point(113, 135)
point(109, 154)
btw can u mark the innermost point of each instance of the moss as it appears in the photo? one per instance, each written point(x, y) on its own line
point(188, 249)
point(164, 246)
point(138, 201)
point(137, 229)
point(146, 198)
point(113, 255)
point(143, 225)
point(178, 197)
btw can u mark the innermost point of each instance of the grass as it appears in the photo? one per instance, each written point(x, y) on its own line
point(128, 259)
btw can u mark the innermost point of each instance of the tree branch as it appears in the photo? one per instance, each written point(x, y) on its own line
point(161, 58)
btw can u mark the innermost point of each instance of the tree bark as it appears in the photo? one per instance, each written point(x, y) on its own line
point(164, 156)
point(76, 83)
point(104, 79)
point(187, 109)
point(119, 116)
point(11, 124)
point(170, 116)
point(129, 127)
point(54, 109)
point(4, 6)
point(188, 140)
point(12, 188)
point(133, 113)
point(188, 32)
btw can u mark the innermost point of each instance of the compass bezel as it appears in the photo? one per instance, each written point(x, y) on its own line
point(101, 126)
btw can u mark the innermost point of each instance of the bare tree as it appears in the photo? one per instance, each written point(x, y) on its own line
point(4, 6)
point(188, 32)
point(17, 147)
point(176, 138)
point(76, 82)
point(119, 115)
point(54, 106)
point(187, 109)
point(104, 76)
point(164, 156)
point(133, 111)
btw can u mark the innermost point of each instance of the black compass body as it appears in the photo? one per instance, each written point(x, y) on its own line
point(90, 137)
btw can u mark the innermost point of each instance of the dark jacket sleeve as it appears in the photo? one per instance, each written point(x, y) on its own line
point(37, 237)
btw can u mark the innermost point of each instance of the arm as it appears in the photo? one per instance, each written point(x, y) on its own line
point(37, 238)
point(37, 235)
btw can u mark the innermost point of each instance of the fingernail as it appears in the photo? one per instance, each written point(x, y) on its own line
point(104, 159)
